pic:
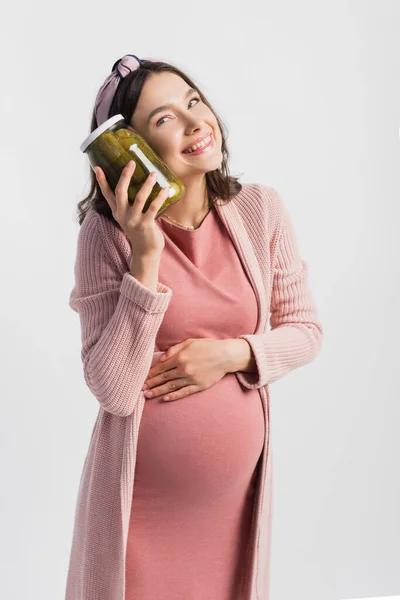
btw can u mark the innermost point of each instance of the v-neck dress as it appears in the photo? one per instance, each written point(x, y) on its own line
point(197, 457)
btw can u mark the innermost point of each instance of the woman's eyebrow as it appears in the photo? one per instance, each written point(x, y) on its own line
point(165, 106)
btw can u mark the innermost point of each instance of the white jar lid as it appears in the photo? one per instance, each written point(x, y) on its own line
point(99, 130)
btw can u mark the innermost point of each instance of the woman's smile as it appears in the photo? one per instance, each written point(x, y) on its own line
point(206, 144)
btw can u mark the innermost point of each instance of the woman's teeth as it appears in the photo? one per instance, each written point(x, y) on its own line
point(201, 144)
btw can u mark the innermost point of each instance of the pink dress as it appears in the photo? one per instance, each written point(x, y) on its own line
point(197, 458)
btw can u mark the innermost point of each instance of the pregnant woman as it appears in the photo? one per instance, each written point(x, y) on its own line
point(174, 501)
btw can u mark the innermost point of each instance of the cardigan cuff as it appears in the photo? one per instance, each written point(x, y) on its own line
point(259, 378)
point(150, 301)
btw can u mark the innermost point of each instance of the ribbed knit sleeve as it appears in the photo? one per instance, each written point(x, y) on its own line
point(295, 336)
point(119, 319)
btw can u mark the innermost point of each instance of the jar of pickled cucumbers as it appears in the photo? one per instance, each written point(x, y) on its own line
point(112, 145)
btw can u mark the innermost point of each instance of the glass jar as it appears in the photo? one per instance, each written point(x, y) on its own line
point(112, 145)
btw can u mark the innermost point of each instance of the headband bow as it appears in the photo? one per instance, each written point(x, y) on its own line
point(120, 69)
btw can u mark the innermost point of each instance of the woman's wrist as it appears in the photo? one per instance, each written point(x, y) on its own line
point(240, 356)
point(146, 271)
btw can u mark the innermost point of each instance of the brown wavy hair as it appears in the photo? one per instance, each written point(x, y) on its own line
point(220, 183)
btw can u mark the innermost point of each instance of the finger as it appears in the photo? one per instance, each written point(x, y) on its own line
point(182, 393)
point(143, 194)
point(105, 187)
point(174, 350)
point(156, 204)
point(167, 388)
point(121, 189)
point(151, 382)
point(161, 367)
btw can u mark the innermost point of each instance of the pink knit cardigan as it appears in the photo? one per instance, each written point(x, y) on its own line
point(119, 320)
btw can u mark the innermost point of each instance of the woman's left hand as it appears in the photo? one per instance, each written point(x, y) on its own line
point(188, 367)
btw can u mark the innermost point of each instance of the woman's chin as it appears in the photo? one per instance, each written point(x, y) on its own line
point(199, 165)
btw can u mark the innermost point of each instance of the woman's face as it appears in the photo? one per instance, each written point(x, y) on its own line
point(171, 130)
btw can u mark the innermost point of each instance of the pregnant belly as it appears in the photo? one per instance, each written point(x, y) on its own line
point(200, 448)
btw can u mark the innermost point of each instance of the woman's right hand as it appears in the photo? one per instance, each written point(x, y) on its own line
point(141, 229)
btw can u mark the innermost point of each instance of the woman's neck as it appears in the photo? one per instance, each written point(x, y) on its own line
point(193, 206)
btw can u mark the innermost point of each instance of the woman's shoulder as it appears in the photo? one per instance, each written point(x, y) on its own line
point(261, 204)
point(99, 230)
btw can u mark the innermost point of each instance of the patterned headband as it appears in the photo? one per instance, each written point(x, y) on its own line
point(105, 95)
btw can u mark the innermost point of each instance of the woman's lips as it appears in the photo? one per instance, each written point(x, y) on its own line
point(201, 150)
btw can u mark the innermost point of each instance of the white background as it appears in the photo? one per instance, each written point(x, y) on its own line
point(310, 93)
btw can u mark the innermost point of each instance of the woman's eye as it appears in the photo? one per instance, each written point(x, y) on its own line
point(191, 100)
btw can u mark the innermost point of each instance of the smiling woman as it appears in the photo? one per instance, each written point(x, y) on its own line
point(166, 107)
point(175, 498)
point(176, 130)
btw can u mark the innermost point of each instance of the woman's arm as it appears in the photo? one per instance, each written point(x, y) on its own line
point(296, 334)
point(119, 316)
